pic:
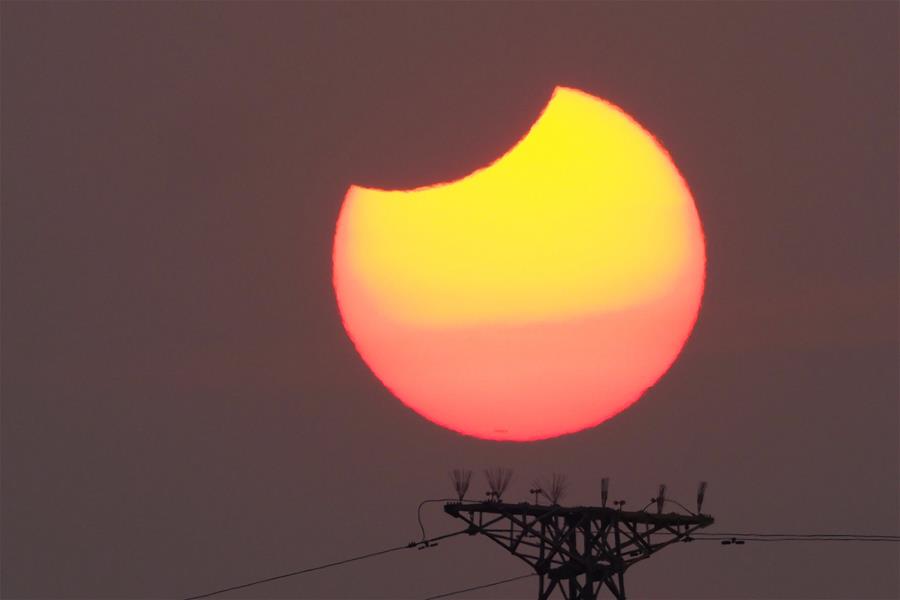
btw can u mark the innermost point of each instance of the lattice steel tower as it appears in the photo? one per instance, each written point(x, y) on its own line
point(578, 550)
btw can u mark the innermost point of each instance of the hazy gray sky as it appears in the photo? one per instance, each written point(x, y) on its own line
point(182, 410)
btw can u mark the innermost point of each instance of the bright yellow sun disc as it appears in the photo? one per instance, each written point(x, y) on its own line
point(537, 296)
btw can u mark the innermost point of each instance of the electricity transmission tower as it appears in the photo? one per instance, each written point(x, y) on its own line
point(577, 550)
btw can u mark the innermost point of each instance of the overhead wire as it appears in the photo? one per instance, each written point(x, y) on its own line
point(421, 544)
point(741, 540)
point(423, 503)
point(802, 535)
point(480, 587)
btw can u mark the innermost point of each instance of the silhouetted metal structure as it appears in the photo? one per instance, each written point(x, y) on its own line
point(578, 550)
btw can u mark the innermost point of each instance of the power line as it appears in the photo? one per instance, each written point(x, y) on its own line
point(803, 535)
point(792, 539)
point(300, 572)
point(480, 587)
point(727, 539)
point(423, 503)
point(423, 543)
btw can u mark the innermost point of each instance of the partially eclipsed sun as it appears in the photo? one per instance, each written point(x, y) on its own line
point(538, 296)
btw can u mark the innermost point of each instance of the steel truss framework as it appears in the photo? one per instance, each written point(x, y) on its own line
point(576, 550)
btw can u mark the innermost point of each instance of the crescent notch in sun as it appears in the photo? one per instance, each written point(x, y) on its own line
point(538, 296)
